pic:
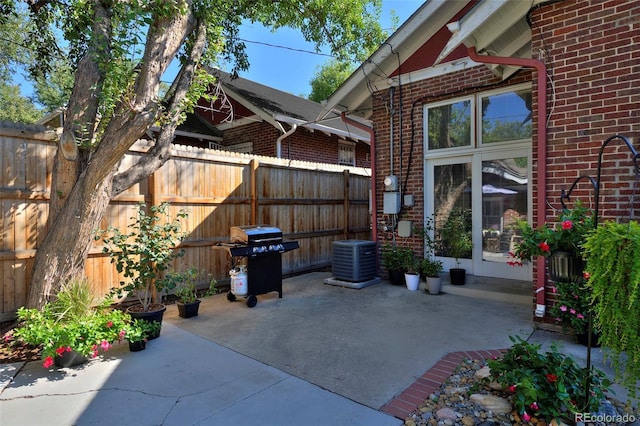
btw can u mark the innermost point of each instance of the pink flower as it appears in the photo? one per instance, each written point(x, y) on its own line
point(567, 224)
point(573, 311)
point(105, 345)
point(109, 324)
point(95, 354)
point(563, 308)
point(580, 316)
point(534, 406)
point(526, 417)
point(554, 290)
point(8, 337)
point(512, 388)
point(48, 362)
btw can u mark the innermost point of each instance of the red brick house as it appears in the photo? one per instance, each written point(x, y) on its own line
point(252, 118)
point(249, 117)
point(494, 107)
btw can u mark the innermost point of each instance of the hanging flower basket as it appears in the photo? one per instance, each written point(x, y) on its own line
point(565, 266)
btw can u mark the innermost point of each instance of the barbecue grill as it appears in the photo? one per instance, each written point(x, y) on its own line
point(262, 246)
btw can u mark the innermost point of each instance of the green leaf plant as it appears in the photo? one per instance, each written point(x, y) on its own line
point(612, 252)
point(145, 253)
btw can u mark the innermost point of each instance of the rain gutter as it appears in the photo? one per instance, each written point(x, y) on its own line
point(372, 155)
point(281, 138)
point(541, 72)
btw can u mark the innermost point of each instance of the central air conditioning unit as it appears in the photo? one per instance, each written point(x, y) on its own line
point(354, 260)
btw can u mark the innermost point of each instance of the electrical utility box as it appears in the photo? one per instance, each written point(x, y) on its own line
point(391, 203)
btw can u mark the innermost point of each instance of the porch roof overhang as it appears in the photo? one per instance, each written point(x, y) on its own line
point(493, 27)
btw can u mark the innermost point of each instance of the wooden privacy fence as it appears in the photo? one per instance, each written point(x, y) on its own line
point(314, 204)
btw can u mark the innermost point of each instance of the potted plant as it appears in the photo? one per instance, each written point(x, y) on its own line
point(431, 268)
point(613, 266)
point(138, 331)
point(71, 328)
point(456, 236)
point(186, 290)
point(560, 242)
point(393, 258)
point(142, 255)
point(411, 267)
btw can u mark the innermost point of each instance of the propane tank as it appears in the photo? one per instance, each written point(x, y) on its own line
point(239, 280)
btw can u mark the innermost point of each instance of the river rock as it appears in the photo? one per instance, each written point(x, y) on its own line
point(446, 413)
point(492, 403)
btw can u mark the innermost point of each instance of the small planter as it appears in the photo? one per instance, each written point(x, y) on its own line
point(457, 275)
point(412, 281)
point(188, 310)
point(69, 359)
point(138, 346)
point(434, 285)
point(155, 316)
point(565, 267)
point(396, 276)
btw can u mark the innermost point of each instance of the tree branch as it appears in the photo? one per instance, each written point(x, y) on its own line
point(160, 153)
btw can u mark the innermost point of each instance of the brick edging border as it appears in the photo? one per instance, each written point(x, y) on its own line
point(407, 401)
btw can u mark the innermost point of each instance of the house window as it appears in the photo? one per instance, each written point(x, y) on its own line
point(449, 124)
point(505, 116)
point(346, 153)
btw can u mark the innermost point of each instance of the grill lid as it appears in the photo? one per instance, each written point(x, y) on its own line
point(252, 234)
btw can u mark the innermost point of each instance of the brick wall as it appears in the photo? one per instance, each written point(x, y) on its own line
point(592, 53)
point(409, 164)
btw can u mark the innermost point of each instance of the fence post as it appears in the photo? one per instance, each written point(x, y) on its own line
point(345, 215)
point(254, 190)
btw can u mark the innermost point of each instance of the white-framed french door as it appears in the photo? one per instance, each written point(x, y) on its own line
point(494, 188)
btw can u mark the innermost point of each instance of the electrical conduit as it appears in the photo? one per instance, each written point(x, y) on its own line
point(541, 72)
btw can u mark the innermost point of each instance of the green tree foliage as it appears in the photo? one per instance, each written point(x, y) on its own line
point(15, 107)
point(328, 78)
point(119, 52)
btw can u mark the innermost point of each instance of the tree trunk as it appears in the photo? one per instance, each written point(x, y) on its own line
point(64, 250)
point(76, 215)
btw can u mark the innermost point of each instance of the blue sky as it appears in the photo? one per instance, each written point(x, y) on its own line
point(290, 70)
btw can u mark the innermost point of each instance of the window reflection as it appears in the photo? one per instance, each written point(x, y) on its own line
point(504, 206)
point(449, 125)
point(452, 192)
point(506, 116)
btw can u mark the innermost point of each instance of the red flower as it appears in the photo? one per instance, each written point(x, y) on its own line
point(534, 406)
point(512, 388)
point(109, 324)
point(544, 246)
point(60, 351)
point(586, 275)
point(48, 362)
point(552, 378)
point(567, 224)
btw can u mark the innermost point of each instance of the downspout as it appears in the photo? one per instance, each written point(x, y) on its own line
point(541, 72)
point(282, 137)
point(372, 154)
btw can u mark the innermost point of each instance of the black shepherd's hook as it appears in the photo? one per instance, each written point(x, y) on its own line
point(566, 195)
point(596, 186)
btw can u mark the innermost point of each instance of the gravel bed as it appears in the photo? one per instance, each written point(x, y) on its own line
point(450, 405)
